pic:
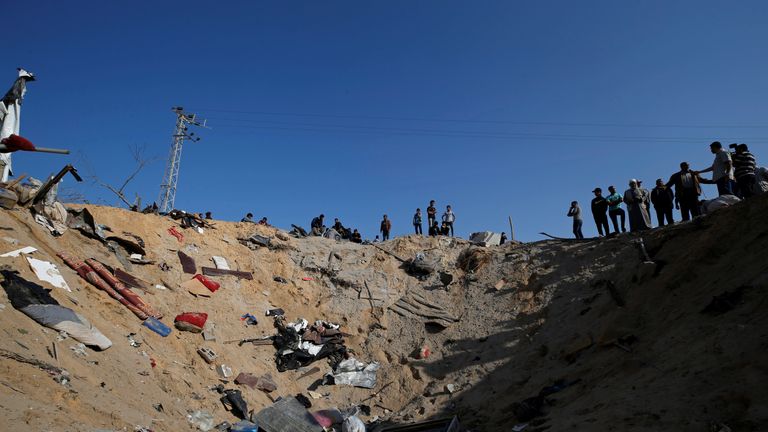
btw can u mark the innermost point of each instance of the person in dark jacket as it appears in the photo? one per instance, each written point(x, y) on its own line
point(386, 226)
point(600, 212)
point(687, 191)
point(417, 221)
point(356, 237)
point(431, 213)
point(663, 201)
point(744, 165)
point(434, 230)
point(317, 225)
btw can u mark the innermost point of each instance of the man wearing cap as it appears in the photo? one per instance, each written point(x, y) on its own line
point(662, 199)
point(721, 169)
point(600, 212)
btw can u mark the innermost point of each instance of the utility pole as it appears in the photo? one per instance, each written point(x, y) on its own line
point(171, 178)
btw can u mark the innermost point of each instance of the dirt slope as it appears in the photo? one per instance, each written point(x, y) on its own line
point(628, 335)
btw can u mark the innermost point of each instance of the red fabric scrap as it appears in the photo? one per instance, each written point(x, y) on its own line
point(211, 285)
point(179, 236)
point(15, 142)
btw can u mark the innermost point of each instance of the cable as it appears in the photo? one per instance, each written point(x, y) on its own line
point(532, 123)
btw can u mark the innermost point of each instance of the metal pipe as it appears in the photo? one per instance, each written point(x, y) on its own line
point(4, 148)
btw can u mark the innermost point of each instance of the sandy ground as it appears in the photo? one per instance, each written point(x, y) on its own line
point(628, 335)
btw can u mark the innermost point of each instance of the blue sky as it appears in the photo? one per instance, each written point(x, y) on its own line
point(356, 109)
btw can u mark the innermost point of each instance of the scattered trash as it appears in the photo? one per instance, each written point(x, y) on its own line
point(280, 279)
point(59, 375)
point(290, 356)
point(14, 254)
point(224, 371)
point(210, 284)
point(423, 353)
point(201, 419)
point(62, 336)
point(353, 424)
point(48, 272)
point(275, 312)
point(519, 427)
point(179, 236)
point(249, 319)
point(161, 287)
point(223, 426)
point(328, 417)
point(307, 279)
point(187, 263)
point(157, 326)
point(132, 340)
point(451, 388)
point(314, 394)
point(244, 426)
point(304, 400)
point(79, 350)
point(209, 332)
point(287, 414)
point(500, 284)
point(158, 407)
point(234, 402)
point(220, 262)
point(414, 303)
point(355, 373)
point(208, 271)
point(256, 240)
point(266, 384)
point(191, 321)
point(207, 354)
point(485, 238)
point(35, 302)
point(196, 288)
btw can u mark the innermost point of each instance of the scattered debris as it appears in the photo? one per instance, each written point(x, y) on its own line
point(14, 254)
point(157, 326)
point(191, 321)
point(287, 414)
point(354, 373)
point(485, 238)
point(224, 371)
point(208, 271)
point(234, 402)
point(208, 355)
point(48, 272)
point(220, 262)
point(201, 419)
point(290, 353)
point(35, 302)
point(274, 312)
point(179, 236)
point(280, 279)
point(187, 263)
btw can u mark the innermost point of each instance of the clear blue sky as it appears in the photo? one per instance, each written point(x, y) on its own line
point(356, 109)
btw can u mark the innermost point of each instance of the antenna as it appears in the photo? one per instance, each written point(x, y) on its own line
point(171, 178)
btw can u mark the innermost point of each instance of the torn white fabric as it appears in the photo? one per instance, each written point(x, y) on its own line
point(311, 348)
point(48, 272)
point(17, 252)
point(220, 262)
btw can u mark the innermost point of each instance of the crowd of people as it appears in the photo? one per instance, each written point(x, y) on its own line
point(445, 228)
point(735, 174)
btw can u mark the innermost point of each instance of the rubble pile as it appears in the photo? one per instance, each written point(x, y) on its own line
point(116, 320)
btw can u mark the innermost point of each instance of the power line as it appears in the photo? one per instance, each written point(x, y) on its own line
point(314, 127)
point(515, 122)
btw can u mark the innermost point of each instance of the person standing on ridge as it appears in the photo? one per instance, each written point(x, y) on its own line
point(637, 204)
point(431, 213)
point(386, 226)
point(449, 218)
point(721, 169)
point(745, 165)
point(575, 213)
point(687, 191)
point(663, 199)
point(417, 221)
point(600, 212)
point(615, 211)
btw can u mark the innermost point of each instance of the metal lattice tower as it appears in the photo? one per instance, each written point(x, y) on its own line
point(171, 178)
